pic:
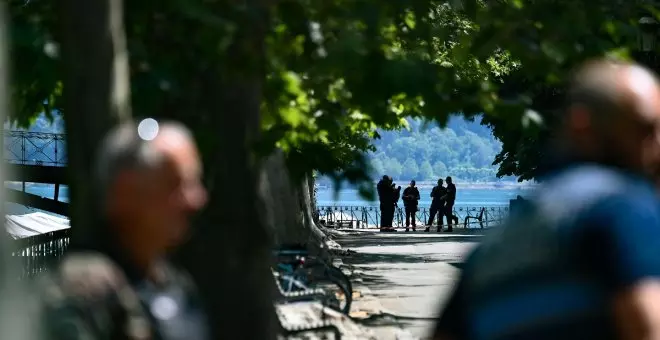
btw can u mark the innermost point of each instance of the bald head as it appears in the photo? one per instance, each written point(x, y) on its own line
point(125, 148)
point(611, 87)
point(613, 110)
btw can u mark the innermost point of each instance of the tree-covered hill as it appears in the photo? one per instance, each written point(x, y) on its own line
point(464, 150)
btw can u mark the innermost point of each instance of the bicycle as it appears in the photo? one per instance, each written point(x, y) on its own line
point(296, 270)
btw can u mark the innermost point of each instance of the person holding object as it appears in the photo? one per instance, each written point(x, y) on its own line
point(410, 202)
point(396, 194)
point(438, 195)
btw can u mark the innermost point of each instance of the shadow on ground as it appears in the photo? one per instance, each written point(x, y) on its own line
point(399, 239)
point(458, 265)
point(371, 258)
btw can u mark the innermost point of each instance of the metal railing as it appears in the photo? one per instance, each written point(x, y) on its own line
point(369, 216)
point(34, 148)
point(36, 253)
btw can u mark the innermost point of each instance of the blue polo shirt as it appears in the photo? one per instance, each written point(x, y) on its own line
point(550, 272)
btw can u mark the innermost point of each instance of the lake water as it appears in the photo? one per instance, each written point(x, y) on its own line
point(346, 197)
point(464, 197)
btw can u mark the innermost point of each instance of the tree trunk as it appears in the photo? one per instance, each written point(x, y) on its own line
point(311, 181)
point(229, 255)
point(14, 310)
point(282, 202)
point(96, 96)
point(289, 206)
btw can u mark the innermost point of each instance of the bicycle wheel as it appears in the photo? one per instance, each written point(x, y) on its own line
point(335, 282)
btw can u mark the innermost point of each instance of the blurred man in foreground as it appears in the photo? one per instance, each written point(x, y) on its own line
point(122, 287)
point(582, 261)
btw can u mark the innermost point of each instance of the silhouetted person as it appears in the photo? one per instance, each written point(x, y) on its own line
point(386, 198)
point(410, 202)
point(438, 196)
point(122, 286)
point(396, 194)
point(582, 260)
point(448, 210)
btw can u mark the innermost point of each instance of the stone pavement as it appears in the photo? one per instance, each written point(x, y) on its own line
point(402, 279)
point(303, 314)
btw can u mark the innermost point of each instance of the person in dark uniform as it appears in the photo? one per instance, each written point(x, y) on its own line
point(448, 210)
point(119, 285)
point(438, 195)
point(384, 188)
point(410, 202)
point(396, 194)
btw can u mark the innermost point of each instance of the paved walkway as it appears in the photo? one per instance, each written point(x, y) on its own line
point(408, 275)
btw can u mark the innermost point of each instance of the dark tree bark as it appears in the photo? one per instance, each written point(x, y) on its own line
point(229, 255)
point(96, 96)
point(288, 205)
point(15, 310)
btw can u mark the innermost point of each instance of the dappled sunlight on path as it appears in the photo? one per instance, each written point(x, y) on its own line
point(410, 274)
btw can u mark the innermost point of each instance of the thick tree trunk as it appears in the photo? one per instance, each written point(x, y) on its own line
point(96, 94)
point(282, 202)
point(288, 205)
point(229, 255)
point(15, 317)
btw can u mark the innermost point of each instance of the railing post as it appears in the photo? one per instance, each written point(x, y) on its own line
point(57, 192)
point(23, 155)
point(56, 161)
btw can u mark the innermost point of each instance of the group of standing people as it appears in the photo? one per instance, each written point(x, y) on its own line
point(442, 203)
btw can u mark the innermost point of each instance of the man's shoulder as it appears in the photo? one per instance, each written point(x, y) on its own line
point(82, 277)
point(82, 296)
point(582, 187)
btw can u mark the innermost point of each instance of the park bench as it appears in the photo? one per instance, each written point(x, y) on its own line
point(303, 295)
point(479, 218)
point(288, 330)
point(307, 295)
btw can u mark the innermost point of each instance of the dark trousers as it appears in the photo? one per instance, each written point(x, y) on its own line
point(386, 215)
point(449, 214)
point(410, 214)
point(435, 209)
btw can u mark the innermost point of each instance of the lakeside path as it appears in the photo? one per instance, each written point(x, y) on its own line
point(408, 275)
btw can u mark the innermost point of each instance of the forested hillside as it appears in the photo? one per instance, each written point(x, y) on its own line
point(464, 150)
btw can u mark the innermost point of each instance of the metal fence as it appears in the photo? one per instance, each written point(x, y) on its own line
point(36, 253)
point(369, 216)
point(34, 148)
